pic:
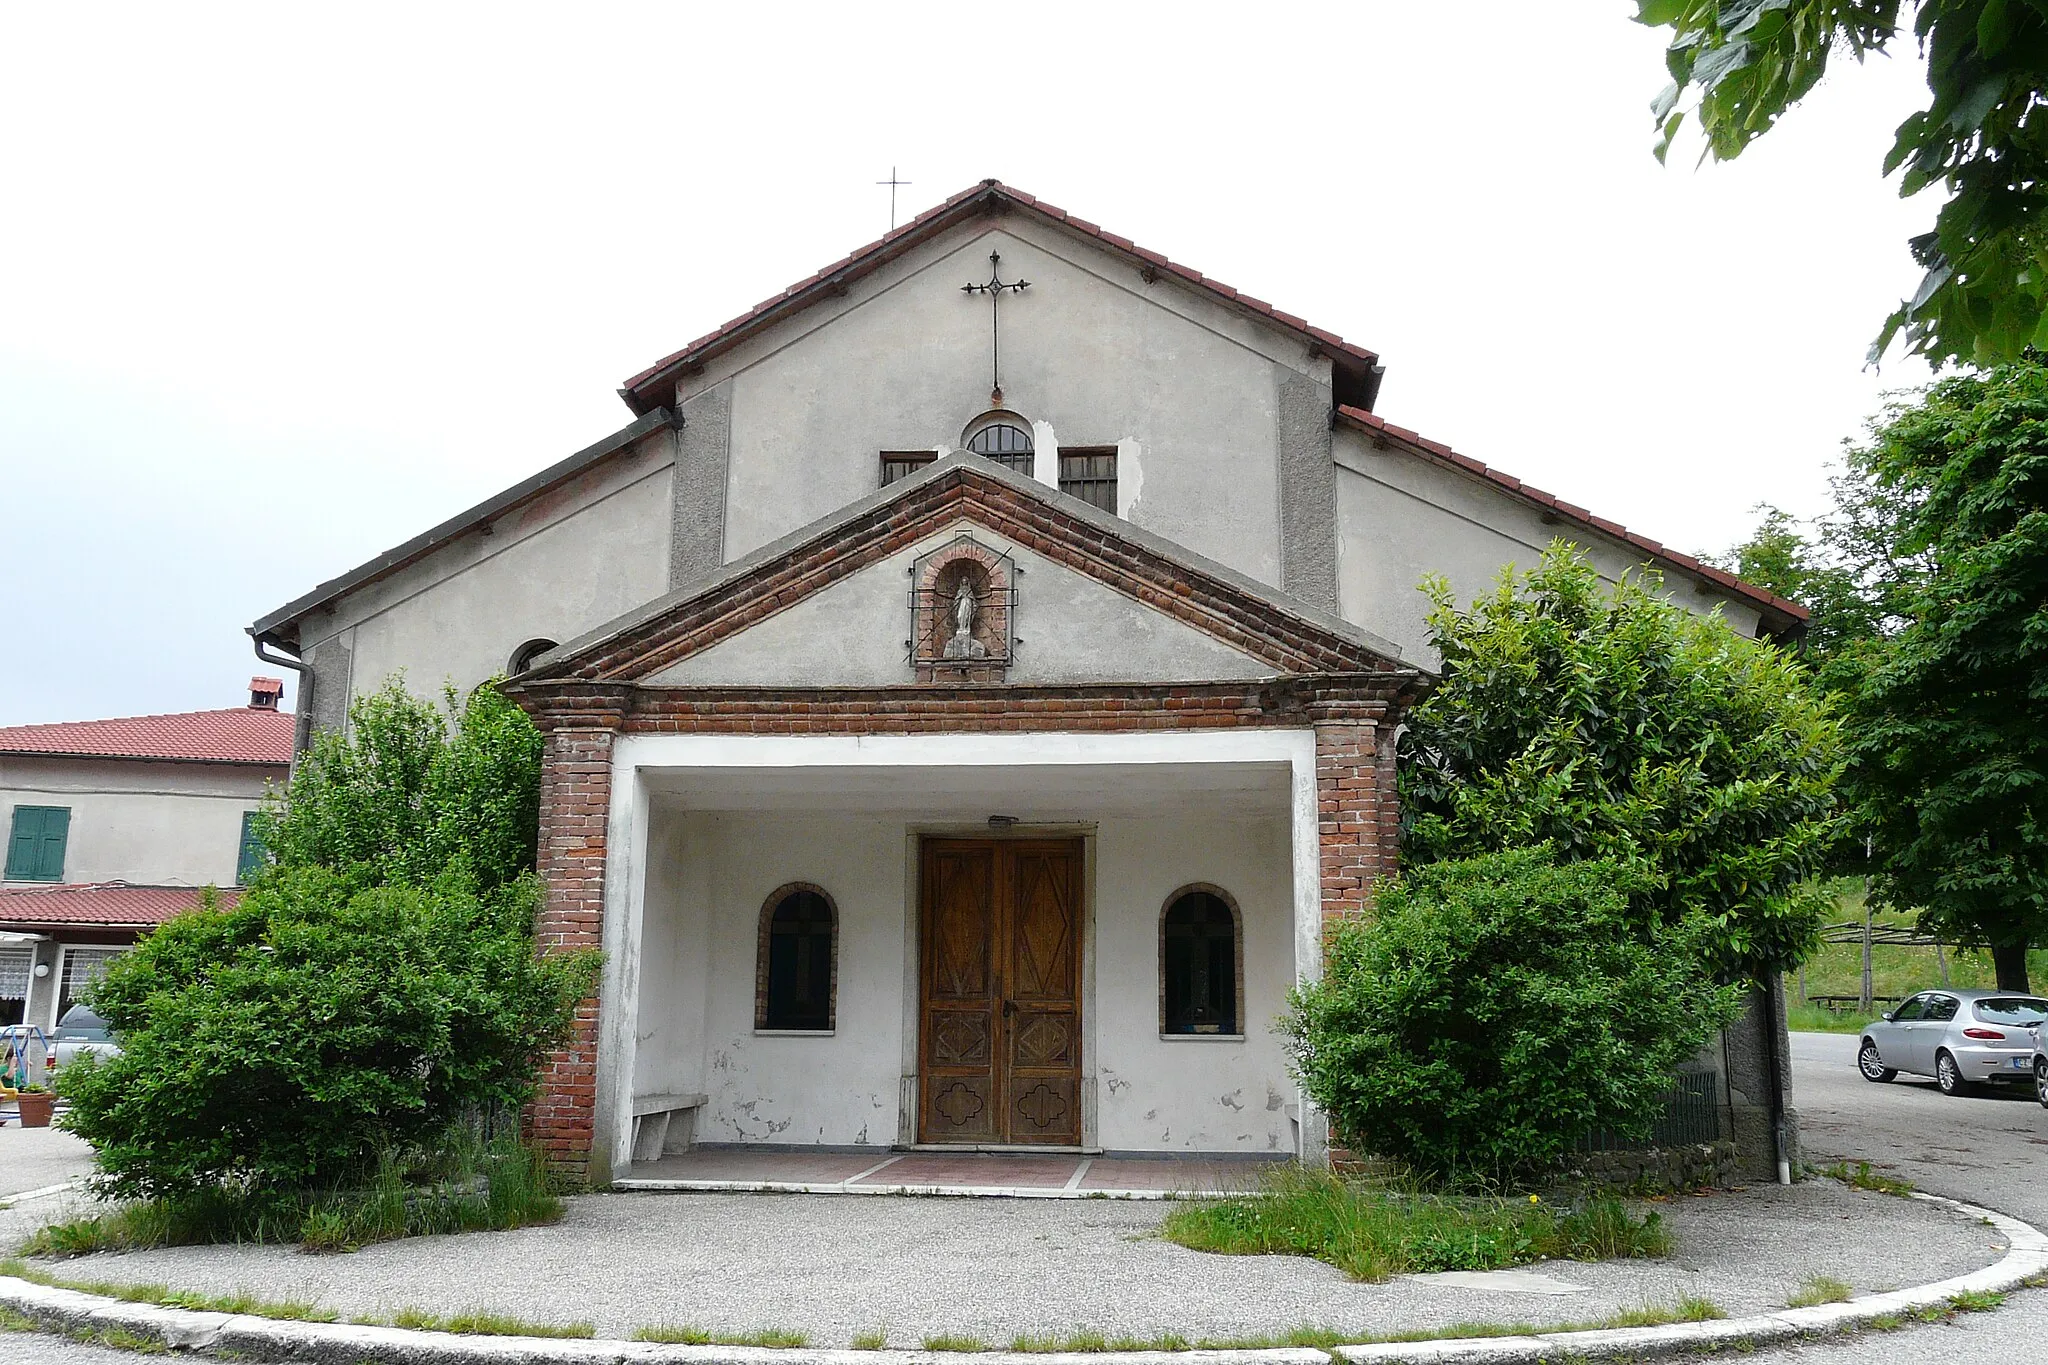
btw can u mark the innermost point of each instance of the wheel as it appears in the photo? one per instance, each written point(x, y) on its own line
point(1872, 1066)
point(2041, 1080)
point(1949, 1076)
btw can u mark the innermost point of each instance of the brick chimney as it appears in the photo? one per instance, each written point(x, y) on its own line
point(265, 693)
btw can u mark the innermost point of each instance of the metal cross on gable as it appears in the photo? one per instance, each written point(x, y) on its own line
point(995, 289)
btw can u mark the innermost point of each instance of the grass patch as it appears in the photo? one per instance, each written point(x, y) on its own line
point(871, 1341)
point(1372, 1232)
point(470, 1186)
point(290, 1310)
point(479, 1323)
point(952, 1341)
point(667, 1334)
point(1862, 1177)
point(1820, 1289)
point(1975, 1301)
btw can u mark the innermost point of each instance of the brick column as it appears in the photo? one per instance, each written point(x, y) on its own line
point(575, 802)
point(1357, 821)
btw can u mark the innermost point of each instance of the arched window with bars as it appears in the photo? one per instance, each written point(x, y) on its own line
point(796, 978)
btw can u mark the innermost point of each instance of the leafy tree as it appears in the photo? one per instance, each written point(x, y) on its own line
point(1948, 724)
point(1788, 561)
point(1493, 1011)
point(293, 1040)
point(402, 794)
point(1612, 724)
point(1981, 137)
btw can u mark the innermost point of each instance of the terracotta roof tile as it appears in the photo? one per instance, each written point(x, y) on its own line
point(1770, 602)
point(109, 904)
point(244, 734)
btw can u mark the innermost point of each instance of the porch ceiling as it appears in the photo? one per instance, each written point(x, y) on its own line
point(973, 793)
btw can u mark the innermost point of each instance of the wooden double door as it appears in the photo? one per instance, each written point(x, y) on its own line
point(1000, 928)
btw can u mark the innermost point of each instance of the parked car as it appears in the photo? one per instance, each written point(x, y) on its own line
point(1961, 1038)
point(2041, 1063)
point(81, 1031)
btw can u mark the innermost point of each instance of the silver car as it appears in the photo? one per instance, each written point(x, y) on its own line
point(1961, 1038)
point(80, 1031)
point(2041, 1064)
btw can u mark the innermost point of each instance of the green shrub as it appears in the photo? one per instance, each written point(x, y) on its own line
point(288, 1042)
point(1609, 723)
point(1497, 1009)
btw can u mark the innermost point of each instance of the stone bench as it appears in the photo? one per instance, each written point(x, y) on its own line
point(655, 1129)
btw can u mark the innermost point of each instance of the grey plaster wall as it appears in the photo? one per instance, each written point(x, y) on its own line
point(1746, 1047)
point(697, 517)
point(1092, 353)
point(1072, 628)
point(584, 552)
point(1400, 518)
point(1308, 489)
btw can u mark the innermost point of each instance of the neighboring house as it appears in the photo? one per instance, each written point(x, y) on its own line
point(114, 826)
point(966, 708)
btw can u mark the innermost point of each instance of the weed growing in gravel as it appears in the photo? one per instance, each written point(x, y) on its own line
point(243, 1302)
point(1863, 1178)
point(877, 1340)
point(1975, 1301)
point(1375, 1231)
point(1820, 1289)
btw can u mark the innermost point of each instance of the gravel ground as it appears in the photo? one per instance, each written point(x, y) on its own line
point(833, 1266)
point(31, 1158)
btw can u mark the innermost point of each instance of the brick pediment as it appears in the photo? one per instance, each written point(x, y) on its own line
point(966, 513)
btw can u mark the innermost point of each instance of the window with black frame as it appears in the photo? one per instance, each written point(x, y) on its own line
point(1198, 959)
point(1006, 444)
point(799, 939)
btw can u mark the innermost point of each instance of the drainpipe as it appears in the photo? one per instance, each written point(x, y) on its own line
point(1773, 1030)
point(301, 731)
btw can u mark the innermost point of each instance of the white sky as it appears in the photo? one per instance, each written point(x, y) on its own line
point(281, 288)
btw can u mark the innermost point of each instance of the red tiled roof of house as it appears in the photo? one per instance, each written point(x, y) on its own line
point(243, 734)
point(107, 904)
point(1769, 602)
point(833, 279)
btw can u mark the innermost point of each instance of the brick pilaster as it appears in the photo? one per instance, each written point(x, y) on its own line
point(575, 802)
point(1357, 820)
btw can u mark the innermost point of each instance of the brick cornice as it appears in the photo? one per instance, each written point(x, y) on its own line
point(1287, 641)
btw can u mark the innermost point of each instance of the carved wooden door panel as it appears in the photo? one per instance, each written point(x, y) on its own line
point(1000, 990)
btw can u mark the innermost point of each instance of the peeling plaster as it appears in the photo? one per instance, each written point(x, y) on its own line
point(1045, 454)
point(1130, 476)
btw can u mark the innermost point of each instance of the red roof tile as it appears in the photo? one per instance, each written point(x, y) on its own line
point(834, 277)
point(245, 734)
point(1769, 602)
point(114, 904)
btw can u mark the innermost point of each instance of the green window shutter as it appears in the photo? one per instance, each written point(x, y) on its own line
point(253, 856)
point(35, 847)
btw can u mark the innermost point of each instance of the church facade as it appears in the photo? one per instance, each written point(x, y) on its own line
point(971, 683)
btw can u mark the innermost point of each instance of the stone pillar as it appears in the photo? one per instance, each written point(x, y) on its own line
point(575, 803)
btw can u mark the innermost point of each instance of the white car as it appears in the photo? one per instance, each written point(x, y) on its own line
point(1961, 1038)
point(2041, 1064)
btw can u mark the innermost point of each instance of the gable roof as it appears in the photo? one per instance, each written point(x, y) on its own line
point(1270, 625)
point(1781, 614)
point(113, 905)
point(244, 734)
point(1357, 370)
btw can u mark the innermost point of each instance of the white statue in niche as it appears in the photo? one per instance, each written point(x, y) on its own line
point(963, 645)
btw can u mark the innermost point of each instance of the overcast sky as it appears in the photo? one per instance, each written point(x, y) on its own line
point(280, 286)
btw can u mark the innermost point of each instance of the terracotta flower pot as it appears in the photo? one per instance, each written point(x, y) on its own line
point(36, 1108)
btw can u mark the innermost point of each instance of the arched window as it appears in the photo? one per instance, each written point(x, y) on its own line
point(796, 980)
point(523, 657)
point(1201, 963)
point(1004, 437)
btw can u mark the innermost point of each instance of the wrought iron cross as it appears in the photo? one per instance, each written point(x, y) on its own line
point(994, 289)
point(892, 182)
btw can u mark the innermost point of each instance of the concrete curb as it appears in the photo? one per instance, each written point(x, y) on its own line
point(655, 1186)
point(270, 1339)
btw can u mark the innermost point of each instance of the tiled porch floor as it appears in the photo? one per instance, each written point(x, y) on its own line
point(1011, 1174)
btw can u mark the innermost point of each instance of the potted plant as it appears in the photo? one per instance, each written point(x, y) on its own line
point(37, 1104)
